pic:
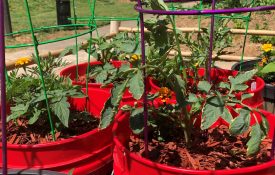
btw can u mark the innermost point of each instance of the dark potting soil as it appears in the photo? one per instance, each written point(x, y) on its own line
point(213, 150)
point(20, 132)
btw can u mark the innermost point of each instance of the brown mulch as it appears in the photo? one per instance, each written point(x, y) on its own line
point(20, 132)
point(209, 151)
point(82, 79)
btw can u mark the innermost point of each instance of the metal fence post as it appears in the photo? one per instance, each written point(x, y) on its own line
point(63, 12)
point(7, 18)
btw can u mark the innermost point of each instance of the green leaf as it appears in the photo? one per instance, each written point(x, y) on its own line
point(104, 46)
point(107, 115)
point(264, 125)
point(18, 111)
point(75, 93)
point(227, 116)
point(235, 100)
point(62, 111)
point(126, 108)
point(246, 96)
point(108, 66)
point(137, 120)
point(34, 117)
point(71, 172)
point(204, 86)
point(42, 97)
point(179, 87)
point(151, 97)
point(270, 67)
point(240, 87)
point(256, 135)
point(117, 93)
point(196, 107)
point(136, 85)
point(213, 109)
point(102, 76)
point(124, 67)
point(230, 104)
point(224, 85)
point(158, 5)
point(241, 123)
point(192, 98)
point(111, 106)
point(242, 77)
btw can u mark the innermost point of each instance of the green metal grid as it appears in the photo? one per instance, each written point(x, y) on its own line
point(92, 26)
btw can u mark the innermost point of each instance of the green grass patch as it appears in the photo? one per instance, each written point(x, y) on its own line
point(43, 12)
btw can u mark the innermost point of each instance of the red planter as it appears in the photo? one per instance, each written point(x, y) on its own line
point(87, 153)
point(82, 68)
point(218, 75)
point(127, 163)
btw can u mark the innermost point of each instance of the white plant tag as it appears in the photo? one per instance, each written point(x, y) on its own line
point(253, 85)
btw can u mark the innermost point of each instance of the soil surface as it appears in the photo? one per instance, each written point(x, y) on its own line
point(212, 150)
point(20, 132)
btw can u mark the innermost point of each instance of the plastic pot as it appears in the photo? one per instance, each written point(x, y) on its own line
point(268, 91)
point(218, 75)
point(82, 68)
point(127, 163)
point(89, 153)
point(269, 97)
point(31, 172)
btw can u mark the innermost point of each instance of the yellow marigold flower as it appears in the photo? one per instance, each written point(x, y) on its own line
point(264, 60)
point(22, 61)
point(164, 94)
point(134, 58)
point(267, 47)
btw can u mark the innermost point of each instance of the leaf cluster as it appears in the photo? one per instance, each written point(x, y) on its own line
point(208, 100)
point(26, 95)
point(105, 50)
point(222, 40)
point(126, 77)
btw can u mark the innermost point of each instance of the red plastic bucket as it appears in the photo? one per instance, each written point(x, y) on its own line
point(82, 68)
point(127, 163)
point(87, 153)
point(218, 75)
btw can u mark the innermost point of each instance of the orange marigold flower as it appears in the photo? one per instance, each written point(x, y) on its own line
point(164, 94)
point(264, 60)
point(267, 47)
point(22, 61)
point(134, 58)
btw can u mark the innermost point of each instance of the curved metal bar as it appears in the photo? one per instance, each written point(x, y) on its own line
point(103, 18)
point(204, 12)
